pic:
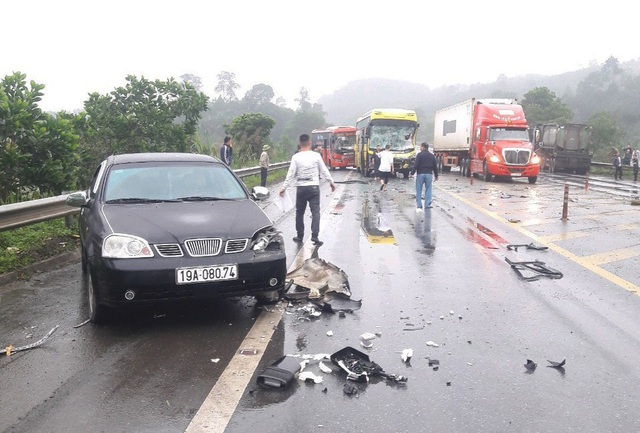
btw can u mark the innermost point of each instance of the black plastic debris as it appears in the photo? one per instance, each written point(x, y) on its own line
point(533, 270)
point(448, 383)
point(433, 362)
point(360, 368)
point(531, 246)
point(281, 373)
point(556, 364)
point(350, 389)
point(530, 365)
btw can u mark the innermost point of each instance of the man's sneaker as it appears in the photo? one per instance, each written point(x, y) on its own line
point(298, 239)
point(316, 241)
point(418, 209)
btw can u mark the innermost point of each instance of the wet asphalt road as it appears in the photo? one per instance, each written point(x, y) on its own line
point(152, 370)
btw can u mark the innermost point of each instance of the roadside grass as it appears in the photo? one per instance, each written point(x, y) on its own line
point(27, 245)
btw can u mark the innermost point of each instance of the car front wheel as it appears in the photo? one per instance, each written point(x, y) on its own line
point(97, 312)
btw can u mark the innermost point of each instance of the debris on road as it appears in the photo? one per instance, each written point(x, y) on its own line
point(350, 389)
point(432, 344)
point(406, 355)
point(412, 327)
point(324, 368)
point(366, 344)
point(10, 349)
point(433, 362)
point(533, 270)
point(556, 364)
point(215, 360)
point(280, 374)
point(308, 376)
point(248, 351)
point(530, 365)
point(329, 333)
point(360, 368)
point(320, 277)
point(514, 220)
point(368, 336)
point(82, 324)
point(531, 246)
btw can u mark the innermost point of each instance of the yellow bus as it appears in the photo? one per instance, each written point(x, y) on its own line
point(382, 126)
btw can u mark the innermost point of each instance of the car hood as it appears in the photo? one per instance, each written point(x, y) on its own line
point(175, 222)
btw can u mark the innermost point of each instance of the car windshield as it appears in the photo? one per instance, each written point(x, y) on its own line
point(508, 134)
point(183, 181)
point(398, 136)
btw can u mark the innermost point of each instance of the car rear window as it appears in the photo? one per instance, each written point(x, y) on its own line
point(171, 181)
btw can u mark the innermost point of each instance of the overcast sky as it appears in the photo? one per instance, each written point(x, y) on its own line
point(78, 47)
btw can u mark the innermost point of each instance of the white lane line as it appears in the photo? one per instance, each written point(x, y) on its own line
point(218, 408)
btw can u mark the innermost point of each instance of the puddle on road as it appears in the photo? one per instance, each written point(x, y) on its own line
point(375, 224)
point(424, 232)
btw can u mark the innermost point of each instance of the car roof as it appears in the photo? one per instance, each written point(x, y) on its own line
point(159, 157)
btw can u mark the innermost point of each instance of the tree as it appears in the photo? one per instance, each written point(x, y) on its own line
point(605, 135)
point(227, 86)
point(303, 99)
point(281, 102)
point(142, 116)
point(541, 105)
point(37, 150)
point(259, 94)
point(193, 80)
point(250, 131)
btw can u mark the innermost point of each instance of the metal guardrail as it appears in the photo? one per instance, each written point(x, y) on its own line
point(30, 212)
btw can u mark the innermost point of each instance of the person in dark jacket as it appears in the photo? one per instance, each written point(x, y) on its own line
point(427, 171)
point(617, 166)
point(225, 151)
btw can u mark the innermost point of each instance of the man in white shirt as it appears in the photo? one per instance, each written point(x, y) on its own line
point(304, 173)
point(386, 167)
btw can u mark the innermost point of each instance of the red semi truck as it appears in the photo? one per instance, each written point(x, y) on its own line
point(488, 137)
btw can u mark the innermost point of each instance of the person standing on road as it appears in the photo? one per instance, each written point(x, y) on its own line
point(617, 166)
point(634, 162)
point(304, 171)
point(426, 168)
point(225, 151)
point(385, 170)
point(264, 165)
point(376, 162)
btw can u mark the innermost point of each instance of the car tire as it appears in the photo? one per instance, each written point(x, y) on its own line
point(98, 313)
point(270, 297)
point(84, 262)
point(485, 172)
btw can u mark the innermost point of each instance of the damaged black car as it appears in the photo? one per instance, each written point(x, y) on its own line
point(170, 226)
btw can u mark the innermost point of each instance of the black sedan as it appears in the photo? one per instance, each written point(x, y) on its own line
point(168, 226)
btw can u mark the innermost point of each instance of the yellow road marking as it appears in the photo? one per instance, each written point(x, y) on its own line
point(583, 261)
point(612, 256)
point(565, 236)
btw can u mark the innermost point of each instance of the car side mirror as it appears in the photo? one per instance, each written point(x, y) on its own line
point(77, 199)
point(260, 193)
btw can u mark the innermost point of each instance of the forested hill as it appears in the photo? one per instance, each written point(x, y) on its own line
point(582, 90)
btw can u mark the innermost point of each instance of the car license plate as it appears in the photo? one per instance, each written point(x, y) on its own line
point(516, 174)
point(206, 274)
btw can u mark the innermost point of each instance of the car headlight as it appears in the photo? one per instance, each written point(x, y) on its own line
point(119, 246)
point(494, 159)
point(267, 240)
point(535, 159)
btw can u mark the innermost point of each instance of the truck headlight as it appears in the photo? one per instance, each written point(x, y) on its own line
point(535, 159)
point(121, 246)
point(494, 159)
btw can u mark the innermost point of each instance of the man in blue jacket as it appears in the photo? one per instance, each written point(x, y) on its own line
point(427, 170)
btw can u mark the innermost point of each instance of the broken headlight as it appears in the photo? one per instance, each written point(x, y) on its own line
point(267, 240)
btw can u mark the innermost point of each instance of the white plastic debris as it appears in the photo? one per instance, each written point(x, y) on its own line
point(428, 322)
point(441, 317)
point(459, 316)
point(407, 354)
point(451, 312)
point(324, 368)
point(366, 344)
point(309, 376)
point(329, 333)
point(368, 336)
point(470, 364)
point(304, 364)
point(215, 360)
point(432, 344)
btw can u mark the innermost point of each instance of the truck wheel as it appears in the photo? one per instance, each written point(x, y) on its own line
point(485, 172)
point(533, 179)
point(461, 167)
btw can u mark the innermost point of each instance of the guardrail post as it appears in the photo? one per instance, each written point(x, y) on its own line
point(565, 202)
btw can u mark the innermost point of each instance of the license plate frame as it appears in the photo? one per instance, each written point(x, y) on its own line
point(206, 274)
point(516, 174)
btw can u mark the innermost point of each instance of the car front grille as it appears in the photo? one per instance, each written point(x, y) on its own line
point(203, 247)
point(169, 250)
point(236, 246)
point(516, 156)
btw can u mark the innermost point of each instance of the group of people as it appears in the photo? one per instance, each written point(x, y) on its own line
point(631, 157)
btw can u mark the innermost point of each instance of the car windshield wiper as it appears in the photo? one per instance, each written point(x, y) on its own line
point(140, 200)
point(201, 198)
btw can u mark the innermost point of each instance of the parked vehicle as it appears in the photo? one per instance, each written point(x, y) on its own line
point(335, 144)
point(563, 147)
point(383, 126)
point(170, 226)
point(486, 137)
